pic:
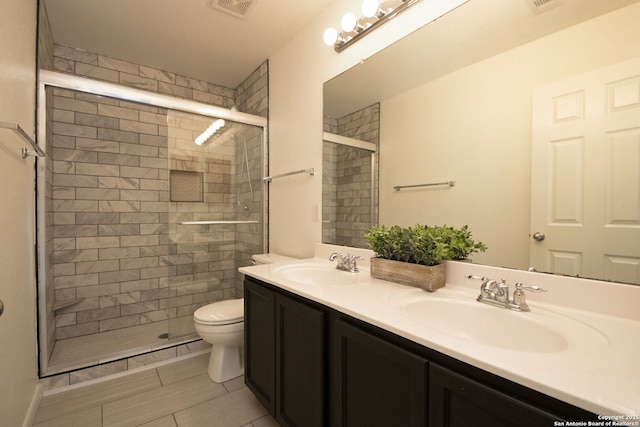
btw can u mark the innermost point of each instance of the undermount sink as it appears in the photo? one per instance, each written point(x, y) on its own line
point(315, 274)
point(538, 331)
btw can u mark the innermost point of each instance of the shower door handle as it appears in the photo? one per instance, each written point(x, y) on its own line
point(1, 307)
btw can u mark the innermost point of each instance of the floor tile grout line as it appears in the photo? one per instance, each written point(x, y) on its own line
point(199, 403)
point(173, 384)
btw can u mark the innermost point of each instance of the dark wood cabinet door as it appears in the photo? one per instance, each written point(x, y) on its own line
point(259, 325)
point(374, 382)
point(457, 401)
point(300, 369)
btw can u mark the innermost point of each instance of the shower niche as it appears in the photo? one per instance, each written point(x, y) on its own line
point(185, 186)
point(139, 225)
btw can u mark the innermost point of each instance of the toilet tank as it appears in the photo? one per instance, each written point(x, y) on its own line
point(270, 258)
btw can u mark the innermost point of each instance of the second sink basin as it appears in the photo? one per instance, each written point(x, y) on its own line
point(315, 274)
point(537, 331)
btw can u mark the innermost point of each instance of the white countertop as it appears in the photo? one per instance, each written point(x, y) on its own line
point(600, 373)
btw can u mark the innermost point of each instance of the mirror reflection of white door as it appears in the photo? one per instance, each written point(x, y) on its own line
point(585, 200)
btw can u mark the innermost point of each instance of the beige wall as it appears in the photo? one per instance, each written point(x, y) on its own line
point(474, 126)
point(297, 73)
point(18, 369)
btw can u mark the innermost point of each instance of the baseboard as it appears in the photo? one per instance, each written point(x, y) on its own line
point(30, 416)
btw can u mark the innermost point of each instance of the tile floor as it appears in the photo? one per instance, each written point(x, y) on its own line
point(179, 394)
point(98, 346)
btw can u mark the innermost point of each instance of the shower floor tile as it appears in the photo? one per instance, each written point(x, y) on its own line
point(109, 344)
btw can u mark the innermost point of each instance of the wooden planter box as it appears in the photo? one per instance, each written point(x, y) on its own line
point(429, 278)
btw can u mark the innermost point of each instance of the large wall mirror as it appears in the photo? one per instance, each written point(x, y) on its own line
point(469, 98)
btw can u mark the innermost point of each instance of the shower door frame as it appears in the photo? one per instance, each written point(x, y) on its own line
point(66, 81)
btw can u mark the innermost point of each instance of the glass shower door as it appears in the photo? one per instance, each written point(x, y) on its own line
point(121, 264)
point(349, 191)
point(216, 212)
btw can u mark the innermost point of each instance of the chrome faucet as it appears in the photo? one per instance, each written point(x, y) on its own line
point(497, 293)
point(346, 262)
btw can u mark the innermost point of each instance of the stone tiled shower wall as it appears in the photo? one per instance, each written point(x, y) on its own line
point(117, 249)
point(100, 67)
point(347, 188)
point(108, 204)
point(115, 196)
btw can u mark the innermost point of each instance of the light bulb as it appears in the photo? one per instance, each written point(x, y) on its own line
point(369, 8)
point(348, 22)
point(330, 36)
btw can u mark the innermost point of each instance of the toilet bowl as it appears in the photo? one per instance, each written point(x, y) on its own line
point(221, 324)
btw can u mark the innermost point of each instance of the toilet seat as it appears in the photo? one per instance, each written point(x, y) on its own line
point(221, 313)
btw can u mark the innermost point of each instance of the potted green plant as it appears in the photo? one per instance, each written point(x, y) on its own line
point(459, 242)
point(414, 255)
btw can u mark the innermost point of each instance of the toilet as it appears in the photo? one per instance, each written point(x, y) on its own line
point(221, 324)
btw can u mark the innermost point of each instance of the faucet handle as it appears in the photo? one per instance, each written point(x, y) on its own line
point(521, 286)
point(353, 262)
point(519, 298)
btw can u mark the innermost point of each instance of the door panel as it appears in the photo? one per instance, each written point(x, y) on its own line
point(376, 383)
point(457, 401)
point(300, 356)
point(586, 175)
point(259, 325)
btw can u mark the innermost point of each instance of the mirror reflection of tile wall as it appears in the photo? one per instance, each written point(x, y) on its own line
point(347, 183)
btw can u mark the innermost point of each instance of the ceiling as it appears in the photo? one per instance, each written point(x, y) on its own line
point(195, 39)
point(475, 30)
point(187, 37)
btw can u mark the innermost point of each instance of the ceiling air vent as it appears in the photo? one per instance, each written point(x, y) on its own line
point(540, 6)
point(237, 8)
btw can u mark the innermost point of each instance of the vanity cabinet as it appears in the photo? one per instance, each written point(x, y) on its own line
point(457, 401)
point(300, 363)
point(285, 355)
point(375, 383)
point(260, 343)
point(311, 365)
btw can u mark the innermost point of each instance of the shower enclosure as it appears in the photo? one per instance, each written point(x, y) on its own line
point(147, 206)
point(349, 190)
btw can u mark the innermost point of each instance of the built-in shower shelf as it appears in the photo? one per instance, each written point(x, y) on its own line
point(59, 305)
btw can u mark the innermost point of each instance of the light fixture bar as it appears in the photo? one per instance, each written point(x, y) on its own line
point(216, 126)
point(365, 24)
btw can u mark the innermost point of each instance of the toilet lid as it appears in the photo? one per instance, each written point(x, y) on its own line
point(221, 313)
point(270, 258)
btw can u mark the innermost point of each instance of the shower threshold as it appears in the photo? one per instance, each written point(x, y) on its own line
point(90, 350)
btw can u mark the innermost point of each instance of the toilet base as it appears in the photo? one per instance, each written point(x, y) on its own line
point(225, 363)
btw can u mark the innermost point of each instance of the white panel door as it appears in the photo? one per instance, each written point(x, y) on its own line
point(586, 175)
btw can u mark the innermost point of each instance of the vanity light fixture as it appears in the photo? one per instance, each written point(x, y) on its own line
point(375, 13)
point(216, 126)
